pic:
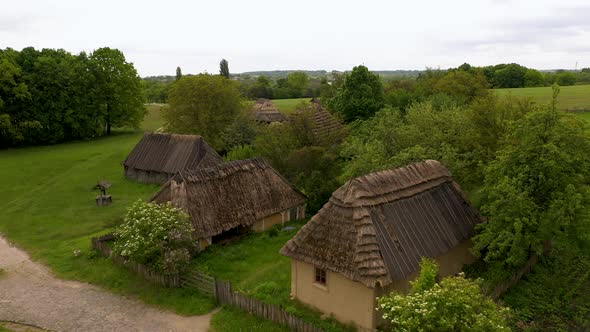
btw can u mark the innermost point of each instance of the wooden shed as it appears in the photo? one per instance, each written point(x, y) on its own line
point(233, 197)
point(370, 237)
point(158, 157)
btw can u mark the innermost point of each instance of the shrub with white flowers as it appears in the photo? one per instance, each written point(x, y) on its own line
point(157, 235)
point(454, 304)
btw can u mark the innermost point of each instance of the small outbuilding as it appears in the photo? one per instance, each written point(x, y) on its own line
point(158, 157)
point(370, 237)
point(266, 112)
point(229, 199)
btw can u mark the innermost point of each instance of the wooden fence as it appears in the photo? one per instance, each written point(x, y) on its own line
point(202, 282)
point(101, 244)
point(226, 295)
point(501, 288)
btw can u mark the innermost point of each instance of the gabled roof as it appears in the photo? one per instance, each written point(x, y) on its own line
point(236, 193)
point(266, 111)
point(171, 153)
point(376, 228)
point(326, 126)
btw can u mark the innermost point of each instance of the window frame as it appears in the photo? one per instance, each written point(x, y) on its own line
point(320, 274)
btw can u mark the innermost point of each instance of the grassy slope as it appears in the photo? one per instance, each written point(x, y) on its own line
point(288, 105)
point(570, 97)
point(254, 266)
point(48, 209)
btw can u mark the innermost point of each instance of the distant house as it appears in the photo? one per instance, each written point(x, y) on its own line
point(157, 157)
point(228, 199)
point(326, 126)
point(266, 112)
point(369, 238)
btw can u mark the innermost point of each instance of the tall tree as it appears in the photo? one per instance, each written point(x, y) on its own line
point(534, 189)
point(119, 90)
point(224, 68)
point(297, 83)
point(178, 73)
point(360, 96)
point(203, 104)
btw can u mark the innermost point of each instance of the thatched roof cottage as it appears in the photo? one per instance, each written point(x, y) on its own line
point(158, 157)
point(265, 111)
point(369, 238)
point(326, 127)
point(233, 197)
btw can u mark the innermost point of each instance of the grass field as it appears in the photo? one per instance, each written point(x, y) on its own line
point(575, 97)
point(255, 267)
point(288, 105)
point(48, 209)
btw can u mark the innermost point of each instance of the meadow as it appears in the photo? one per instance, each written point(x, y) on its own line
point(576, 97)
point(288, 106)
point(47, 199)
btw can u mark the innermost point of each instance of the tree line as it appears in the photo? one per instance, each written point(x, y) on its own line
point(49, 96)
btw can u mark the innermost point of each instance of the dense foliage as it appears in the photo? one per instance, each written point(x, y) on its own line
point(454, 304)
point(203, 104)
point(52, 96)
point(360, 97)
point(156, 235)
point(534, 189)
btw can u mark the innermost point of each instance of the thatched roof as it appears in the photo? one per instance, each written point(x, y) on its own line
point(266, 111)
point(326, 127)
point(171, 153)
point(236, 193)
point(376, 228)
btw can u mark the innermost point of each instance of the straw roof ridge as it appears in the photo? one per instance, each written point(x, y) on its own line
point(171, 153)
point(376, 228)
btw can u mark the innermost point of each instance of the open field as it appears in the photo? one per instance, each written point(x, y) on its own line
point(288, 105)
point(575, 97)
point(48, 209)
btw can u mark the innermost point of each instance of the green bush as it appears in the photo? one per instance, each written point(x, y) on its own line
point(454, 304)
point(156, 235)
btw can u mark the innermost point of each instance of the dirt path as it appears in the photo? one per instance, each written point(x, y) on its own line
point(30, 294)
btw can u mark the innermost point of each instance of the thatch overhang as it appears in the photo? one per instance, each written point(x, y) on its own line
point(233, 194)
point(171, 153)
point(376, 228)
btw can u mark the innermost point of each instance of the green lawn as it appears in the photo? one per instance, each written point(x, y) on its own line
point(255, 267)
point(288, 105)
point(575, 97)
point(48, 209)
point(231, 319)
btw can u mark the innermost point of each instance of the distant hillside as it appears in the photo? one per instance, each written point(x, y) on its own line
point(276, 74)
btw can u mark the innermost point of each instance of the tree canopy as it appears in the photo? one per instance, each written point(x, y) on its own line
point(203, 104)
point(52, 96)
point(224, 68)
point(360, 97)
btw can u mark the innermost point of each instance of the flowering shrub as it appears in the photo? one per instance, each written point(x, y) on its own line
point(454, 304)
point(155, 235)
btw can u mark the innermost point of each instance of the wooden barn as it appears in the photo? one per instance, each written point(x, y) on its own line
point(266, 112)
point(229, 199)
point(158, 157)
point(368, 240)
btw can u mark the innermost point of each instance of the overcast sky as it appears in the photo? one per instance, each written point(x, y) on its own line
point(159, 35)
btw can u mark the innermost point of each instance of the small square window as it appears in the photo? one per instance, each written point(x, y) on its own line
point(320, 276)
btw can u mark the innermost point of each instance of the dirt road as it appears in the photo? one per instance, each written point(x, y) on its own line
point(30, 294)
